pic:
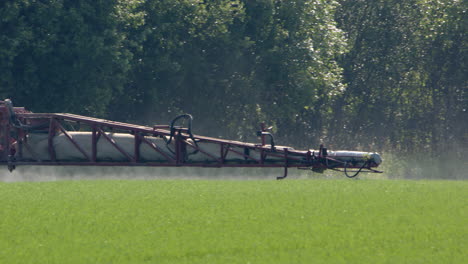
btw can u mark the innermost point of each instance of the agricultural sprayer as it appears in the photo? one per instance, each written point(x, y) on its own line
point(61, 139)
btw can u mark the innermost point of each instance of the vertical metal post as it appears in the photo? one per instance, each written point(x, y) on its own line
point(222, 153)
point(5, 141)
point(263, 129)
point(8, 150)
point(178, 148)
point(94, 144)
point(4, 132)
point(19, 142)
point(262, 152)
point(52, 129)
point(309, 158)
point(136, 156)
point(285, 165)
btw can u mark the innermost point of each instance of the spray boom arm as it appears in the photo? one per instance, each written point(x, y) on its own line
point(53, 139)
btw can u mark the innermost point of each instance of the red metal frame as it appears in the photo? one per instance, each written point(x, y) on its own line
point(11, 132)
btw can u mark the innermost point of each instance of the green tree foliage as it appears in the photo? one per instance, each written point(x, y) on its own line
point(382, 53)
point(380, 75)
point(400, 55)
point(406, 77)
point(238, 62)
point(185, 48)
point(444, 26)
point(62, 55)
point(296, 44)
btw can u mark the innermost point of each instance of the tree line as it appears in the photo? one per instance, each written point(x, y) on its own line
point(379, 75)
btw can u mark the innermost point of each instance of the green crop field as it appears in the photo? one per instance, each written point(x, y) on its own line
point(228, 221)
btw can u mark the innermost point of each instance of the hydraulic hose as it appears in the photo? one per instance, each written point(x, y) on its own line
point(356, 174)
point(189, 131)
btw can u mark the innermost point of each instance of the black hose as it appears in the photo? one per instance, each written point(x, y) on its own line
point(356, 174)
point(189, 131)
point(272, 140)
point(186, 116)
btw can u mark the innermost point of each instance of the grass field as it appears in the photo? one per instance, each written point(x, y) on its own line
point(214, 221)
